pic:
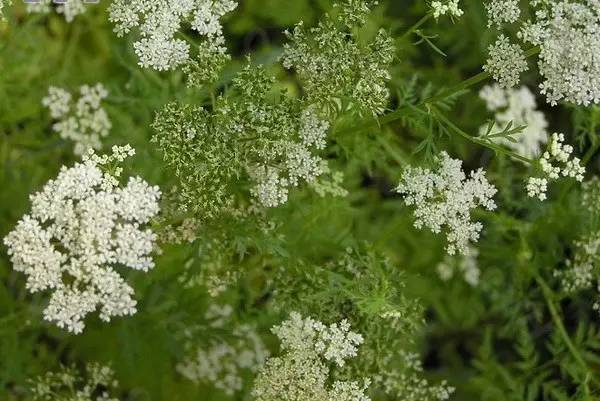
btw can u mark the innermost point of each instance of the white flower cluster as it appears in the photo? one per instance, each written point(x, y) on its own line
point(568, 35)
point(445, 198)
point(70, 9)
point(300, 163)
point(463, 264)
point(449, 7)
point(160, 21)
point(516, 106)
point(223, 362)
point(583, 269)
point(83, 224)
point(84, 122)
point(506, 62)
point(411, 384)
point(69, 385)
point(502, 11)
point(555, 162)
point(301, 373)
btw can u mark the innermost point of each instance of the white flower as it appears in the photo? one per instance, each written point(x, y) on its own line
point(555, 162)
point(502, 11)
point(159, 22)
point(568, 33)
point(84, 122)
point(465, 264)
point(537, 187)
point(506, 62)
point(222, 362)
point(449, 7)
point(517, 106)
point(581, 271)
point(301, 373)
point(313, 130)
point(445, 198)
point(82, 225)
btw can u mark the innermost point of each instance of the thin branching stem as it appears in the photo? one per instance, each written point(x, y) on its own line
point(547, 292)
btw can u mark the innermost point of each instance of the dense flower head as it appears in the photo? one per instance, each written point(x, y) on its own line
point(568, 36)
point(159, 23)
point(334, 68)
point(568, 33)
point(223, 361)
point(555, 162)
point(506, 62)
point(302, 372)
point(84, 122)
point(447, 7)
point(582, 271)
point(97, 383)
point(443, 199)
point(81, 225)
point(502, 11)
point(517, 107)
point(271, 145)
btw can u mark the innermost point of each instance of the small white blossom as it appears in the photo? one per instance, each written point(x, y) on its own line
point(568, 35)
point(84, 122)
point(537, 187)
point(301, 373)
point(502, 11)
point(506, 62)
point(555, 162)
point(464, 264)
point(446, 7)
point(96, 384)
point(159, 22)
point(313, 130)
point(516, 106)
point(445, 198)
point(581, 272)
point(223, 361)
point(82, 225)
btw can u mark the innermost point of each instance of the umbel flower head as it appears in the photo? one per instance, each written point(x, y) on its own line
point(82, 225)
point(445, 197)
point(567, 33)
point(224, 360)
point(302, 372)
point(96, 384)
point(556, 161)
point(84, 122)
point(334, 67)
point(160, 21)
point(248, 139)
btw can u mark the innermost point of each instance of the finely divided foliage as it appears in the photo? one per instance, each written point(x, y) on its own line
point(299, 150)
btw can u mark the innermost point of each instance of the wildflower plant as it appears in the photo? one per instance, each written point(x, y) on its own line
point(81, 225)
point(337, 202)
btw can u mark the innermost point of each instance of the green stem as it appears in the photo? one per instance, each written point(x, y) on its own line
point(416, 26)
point(402, 110)
point(558, 323)
point(478, 141)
